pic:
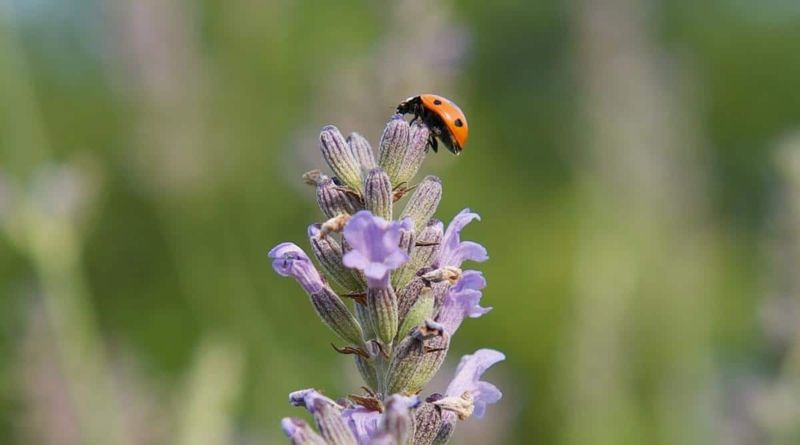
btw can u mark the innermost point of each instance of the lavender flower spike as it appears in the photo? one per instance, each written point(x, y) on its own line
point(454, 251)
point(462, 300)
point(468, 375)
point(376, 247)
point(407, 295)
point(289, 260)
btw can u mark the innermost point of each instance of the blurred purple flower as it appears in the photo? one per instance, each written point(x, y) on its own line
point(289, 260)
point(454, 251)
point(462, 300)
point(376, 246)
point(468, 375)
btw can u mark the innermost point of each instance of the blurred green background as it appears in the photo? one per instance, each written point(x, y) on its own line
point(635, 164)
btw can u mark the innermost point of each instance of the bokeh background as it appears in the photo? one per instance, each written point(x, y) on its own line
point(636, 164)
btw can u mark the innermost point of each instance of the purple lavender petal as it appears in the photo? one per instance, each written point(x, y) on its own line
point(289, 260)
point(462, 300)
point(453, 251)
point(468, 375)
point(375, 245)
point(362, 422)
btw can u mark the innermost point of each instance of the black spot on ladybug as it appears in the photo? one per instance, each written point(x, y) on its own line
point(437, 102)
point(459, 123)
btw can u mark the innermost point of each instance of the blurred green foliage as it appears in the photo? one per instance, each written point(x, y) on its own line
point(169, 263)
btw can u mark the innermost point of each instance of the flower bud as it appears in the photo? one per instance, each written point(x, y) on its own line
point(393, 147)
point(333, 200)
point(382, 309)
point(421, 310)
point(378, 194)
point(332, 310)
point(362, 314)
point(289, 260)
point(329, 254)
point(366, 366)
point(423, 203)
point(362, 151)
point(426, 248)
point(339, 157)
point(446, 430)
point(428, 422)
point(407, 297)
point(415, 153)
point(439, 293)
point(300, 433)
point(416, 358)
point(435, 353)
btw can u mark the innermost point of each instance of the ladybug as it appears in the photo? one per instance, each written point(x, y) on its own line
point(445, 120)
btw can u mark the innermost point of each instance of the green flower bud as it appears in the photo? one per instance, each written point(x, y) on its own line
point(334, 200)
point(382, 310)
point(393, 146)
point(329, 255)
point(415, 152)
point(416, 358)
point(425, 249)
point(362, 151)
point(340, 158)
point(335, 314)
point(421, 310)
point(423, 203)
point(378, 194)
point(428, 421)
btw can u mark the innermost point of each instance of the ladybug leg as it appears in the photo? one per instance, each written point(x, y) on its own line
point(433, 143)
point(418, 113)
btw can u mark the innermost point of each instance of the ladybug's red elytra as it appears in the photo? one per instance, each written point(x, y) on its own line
point(443, 117)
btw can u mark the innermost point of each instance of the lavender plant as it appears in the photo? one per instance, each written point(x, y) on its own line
point(408, 289)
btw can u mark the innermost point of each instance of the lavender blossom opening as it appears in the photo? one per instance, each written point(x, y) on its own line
point(376, 247)
point(398, 328)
